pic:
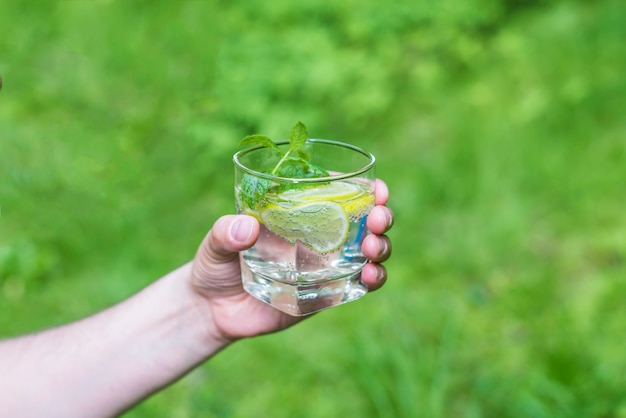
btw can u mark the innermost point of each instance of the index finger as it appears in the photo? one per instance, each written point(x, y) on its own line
point(382, 192)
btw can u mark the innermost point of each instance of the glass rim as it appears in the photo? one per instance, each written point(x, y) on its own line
point(340, 176)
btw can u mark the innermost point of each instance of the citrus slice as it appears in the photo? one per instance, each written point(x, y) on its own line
point(359, 207)
point(335, 191)
point(321, 226)
point(355, 198)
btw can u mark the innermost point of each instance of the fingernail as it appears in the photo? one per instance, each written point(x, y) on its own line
point(382, 247)
point(242, 229)
point(380, 273)
point(389, 217)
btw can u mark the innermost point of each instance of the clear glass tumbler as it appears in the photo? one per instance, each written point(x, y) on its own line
point(308, 256)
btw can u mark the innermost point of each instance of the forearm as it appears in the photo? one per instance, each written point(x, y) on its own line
point(106, 363)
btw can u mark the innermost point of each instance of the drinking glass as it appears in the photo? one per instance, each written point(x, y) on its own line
point(308, 255)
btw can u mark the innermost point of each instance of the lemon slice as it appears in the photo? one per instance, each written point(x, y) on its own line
point(335, 191)
point(321, 226)
point(358, 208)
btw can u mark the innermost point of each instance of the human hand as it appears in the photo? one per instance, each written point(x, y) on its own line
point(231, 312)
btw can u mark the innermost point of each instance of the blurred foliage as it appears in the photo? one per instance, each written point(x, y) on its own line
point(498, 125)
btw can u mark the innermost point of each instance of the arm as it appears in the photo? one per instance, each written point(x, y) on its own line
point(104, 364)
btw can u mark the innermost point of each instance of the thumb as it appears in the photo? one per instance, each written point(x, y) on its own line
point(216, 265)
point(229, 235)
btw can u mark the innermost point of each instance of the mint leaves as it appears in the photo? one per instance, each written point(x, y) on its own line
point(253, 189)
point(258, 140)
point(292, 164)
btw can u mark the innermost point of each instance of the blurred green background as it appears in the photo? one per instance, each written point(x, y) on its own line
point(499, 127)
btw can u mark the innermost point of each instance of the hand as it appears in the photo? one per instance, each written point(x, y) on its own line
point(216, 275)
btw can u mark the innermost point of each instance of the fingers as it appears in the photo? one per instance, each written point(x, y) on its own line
point(382, 192)
point(377, 248)
point(374, 276)
point(380, 220)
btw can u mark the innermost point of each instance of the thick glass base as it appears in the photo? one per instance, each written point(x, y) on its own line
point(300, 299)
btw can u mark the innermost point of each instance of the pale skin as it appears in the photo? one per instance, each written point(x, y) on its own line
point(104, 364)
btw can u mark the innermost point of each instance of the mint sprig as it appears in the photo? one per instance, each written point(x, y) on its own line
point(297, 139)
point(258, 140)
point(294, 163)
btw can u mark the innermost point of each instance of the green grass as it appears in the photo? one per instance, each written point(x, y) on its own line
point(499, 127)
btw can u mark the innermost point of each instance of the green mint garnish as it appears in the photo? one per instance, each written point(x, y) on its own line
point(293, 164)
point(297, 139)
point(253, 189)
point(258, 140)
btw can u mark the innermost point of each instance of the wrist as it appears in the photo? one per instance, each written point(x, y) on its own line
point(193, 314)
